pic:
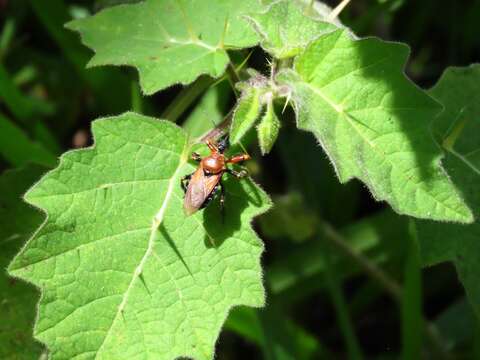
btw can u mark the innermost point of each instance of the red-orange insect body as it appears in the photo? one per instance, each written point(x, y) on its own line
point(201, 186)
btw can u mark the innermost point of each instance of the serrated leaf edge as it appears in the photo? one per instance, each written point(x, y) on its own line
point(466, 218)
point(150, 90)
point(156, 222)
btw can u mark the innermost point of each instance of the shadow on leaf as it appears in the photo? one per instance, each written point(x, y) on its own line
point(239, 194)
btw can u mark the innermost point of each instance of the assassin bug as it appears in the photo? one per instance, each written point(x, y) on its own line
point(201, 186)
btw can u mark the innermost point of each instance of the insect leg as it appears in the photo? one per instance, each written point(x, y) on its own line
point(222, 201)
point(238, 158)
point(185, 181)
point(238, 174)
point(210, 197)
point(196, 157)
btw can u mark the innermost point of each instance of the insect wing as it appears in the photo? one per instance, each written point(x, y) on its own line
point(199, 188)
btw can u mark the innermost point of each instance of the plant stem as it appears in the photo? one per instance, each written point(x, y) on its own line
point(412, 317)
point(389, 284)
point(393, 288)
point(338, 9)
point(185, 98)
point(233, 78)
point(341, 308)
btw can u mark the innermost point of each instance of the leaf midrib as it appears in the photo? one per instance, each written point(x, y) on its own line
point(157, 221)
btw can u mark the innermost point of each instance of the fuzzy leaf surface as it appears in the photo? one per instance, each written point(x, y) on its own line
point(17, 299)
point(374, 123)
point(168, 41)
point(124, 273)
point(285, 28)
point(268, 129)
point(246, 113)
point(458, 128)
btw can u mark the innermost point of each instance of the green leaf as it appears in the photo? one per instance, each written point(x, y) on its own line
point(285, 28)
point(18, 149)
point(268, 129)
point(168, 41)
point(246, 113)
point(17, 299)
point(123, 272)
point(458, 128)
point(373, 123)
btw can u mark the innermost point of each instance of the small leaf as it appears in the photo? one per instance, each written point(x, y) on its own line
point(374, 123)
point(268, 129)
point(246, 113)
point(17, 299)
point(168, 41)
point(123, 272)
point(459, 91)
point(286, 29)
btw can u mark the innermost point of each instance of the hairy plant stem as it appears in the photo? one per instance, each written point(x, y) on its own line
point(338, 9)
point(185, 98)
point(391, 286)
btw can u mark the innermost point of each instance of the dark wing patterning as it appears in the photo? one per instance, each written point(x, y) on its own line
point(199, 187)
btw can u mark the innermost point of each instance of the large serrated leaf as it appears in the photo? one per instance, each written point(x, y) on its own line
point(458, 128)
point(124, 273)
point(286, 28)
point(168, 41)
point(374, 123)
point(17, 299)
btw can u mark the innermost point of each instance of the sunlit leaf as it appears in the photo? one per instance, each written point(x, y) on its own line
point(268, 129)
point(168, 41)
point(246, 113)
point(285, 28)
point(373, 123)
point(123, 272)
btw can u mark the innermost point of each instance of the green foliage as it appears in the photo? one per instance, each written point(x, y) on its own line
point(246, 113)
point(17, 299)
point(268, 129)
point(285, 28)
point(458, 130)
point(170, 41)
point(18, 149)
point(373, 123)
point(130, 274)
point(123, 273)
